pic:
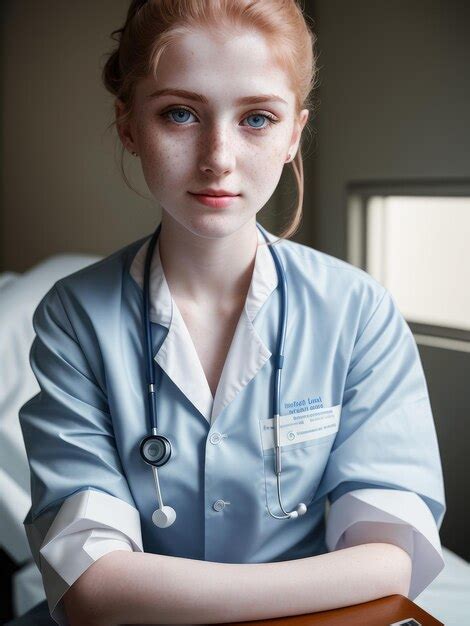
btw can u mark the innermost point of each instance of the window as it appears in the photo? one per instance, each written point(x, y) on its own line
point(414, 239)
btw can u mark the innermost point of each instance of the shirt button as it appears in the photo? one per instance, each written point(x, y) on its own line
point(219, 505)
point(215, 438)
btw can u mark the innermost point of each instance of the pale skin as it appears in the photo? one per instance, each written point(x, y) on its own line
point(141, 588)
point(208, 254)
point(208, 259)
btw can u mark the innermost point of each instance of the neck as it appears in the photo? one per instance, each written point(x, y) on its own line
point(207, 271)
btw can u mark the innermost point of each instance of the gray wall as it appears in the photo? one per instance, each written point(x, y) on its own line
point(61, 184)
point(394, 100)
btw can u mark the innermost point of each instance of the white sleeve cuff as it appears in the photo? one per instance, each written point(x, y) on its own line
point(88, 525)
point(389, 516)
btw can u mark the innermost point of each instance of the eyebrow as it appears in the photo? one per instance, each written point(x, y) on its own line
point(191, 95)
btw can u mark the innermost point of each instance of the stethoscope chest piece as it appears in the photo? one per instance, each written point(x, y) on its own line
point(155, 450)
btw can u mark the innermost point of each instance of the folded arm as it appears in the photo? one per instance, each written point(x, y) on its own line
point(143, 588)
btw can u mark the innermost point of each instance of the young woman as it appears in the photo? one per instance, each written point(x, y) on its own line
point(230, 426)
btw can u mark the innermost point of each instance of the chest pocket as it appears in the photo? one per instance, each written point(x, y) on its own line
point(302, 466)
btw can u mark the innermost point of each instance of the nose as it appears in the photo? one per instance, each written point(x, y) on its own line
point(217, 152)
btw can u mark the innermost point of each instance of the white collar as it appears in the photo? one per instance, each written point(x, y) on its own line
point(263, 282)
point(177, 354)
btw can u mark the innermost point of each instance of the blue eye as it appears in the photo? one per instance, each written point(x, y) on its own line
point(177, 116)
point(179, 111)
point(259, 116)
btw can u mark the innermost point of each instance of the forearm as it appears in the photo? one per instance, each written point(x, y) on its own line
point(144, 588)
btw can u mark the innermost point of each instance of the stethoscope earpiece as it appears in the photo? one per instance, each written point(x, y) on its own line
point(164, 517)
point(155, 449)
point(300, 509)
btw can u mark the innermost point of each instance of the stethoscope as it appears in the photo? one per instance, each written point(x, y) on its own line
point(156, 449)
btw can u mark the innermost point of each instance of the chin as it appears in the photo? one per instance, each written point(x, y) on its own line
point(214, 225)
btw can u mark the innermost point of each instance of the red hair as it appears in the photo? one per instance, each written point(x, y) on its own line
point(152, 25)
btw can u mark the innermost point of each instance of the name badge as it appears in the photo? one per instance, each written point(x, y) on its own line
point(300, 427)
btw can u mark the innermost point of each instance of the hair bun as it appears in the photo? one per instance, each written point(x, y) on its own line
point(135, 6)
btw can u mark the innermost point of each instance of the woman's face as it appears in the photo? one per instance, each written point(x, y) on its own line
point(187, 144)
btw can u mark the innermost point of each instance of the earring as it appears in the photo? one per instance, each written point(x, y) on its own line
point(288, 158)
point(134, 153)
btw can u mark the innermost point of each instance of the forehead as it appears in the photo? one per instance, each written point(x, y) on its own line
point(221, 69)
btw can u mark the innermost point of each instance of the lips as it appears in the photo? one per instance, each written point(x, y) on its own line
point(214, 193)
point(215, 202)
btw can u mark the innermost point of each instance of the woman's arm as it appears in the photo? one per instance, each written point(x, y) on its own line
point(143, 588)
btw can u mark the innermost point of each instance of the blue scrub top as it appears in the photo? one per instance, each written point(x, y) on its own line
point(347, 346)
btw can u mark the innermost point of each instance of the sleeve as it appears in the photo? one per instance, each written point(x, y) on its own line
point(81, 504)
point(384, 477)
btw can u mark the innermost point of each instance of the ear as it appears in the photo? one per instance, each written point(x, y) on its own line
point(299, 125)
point(124, 128)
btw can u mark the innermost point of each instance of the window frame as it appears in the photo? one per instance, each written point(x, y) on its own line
point(358, 194)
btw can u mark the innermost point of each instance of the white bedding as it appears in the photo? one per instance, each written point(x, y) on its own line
point(19, 296)
point(447, 597)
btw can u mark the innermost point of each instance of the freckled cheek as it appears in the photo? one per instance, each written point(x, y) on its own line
point(278, 152)
point(165, 159)
point(266, 168)
point(166, 171)
point(261, 159)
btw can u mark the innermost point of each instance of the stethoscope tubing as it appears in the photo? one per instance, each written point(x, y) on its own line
point(278, 365)
point(148, 333)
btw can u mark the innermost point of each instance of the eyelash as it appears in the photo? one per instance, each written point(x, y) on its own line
point(271, 119)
